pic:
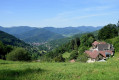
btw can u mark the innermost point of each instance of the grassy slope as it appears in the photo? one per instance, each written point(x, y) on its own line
point(60, 71)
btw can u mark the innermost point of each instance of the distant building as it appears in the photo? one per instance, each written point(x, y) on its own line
point(72, 61)
point(100, 51)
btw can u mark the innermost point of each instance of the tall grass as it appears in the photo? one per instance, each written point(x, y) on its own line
point(60, 71)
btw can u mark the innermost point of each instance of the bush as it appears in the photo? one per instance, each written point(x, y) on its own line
point(4, 49)
point(115, 42)
point(18, 54)
point(73, 55)
point(82, 58)
point(87, 39)
point(82, 49)
point(59, 59)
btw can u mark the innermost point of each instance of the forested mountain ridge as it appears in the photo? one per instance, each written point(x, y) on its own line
point(73, 30)
point(56, 43)
point(11, 40)
point(50, 45)
point(39, 35)
point(46, 34)
point(63, 31)
point(16, 30)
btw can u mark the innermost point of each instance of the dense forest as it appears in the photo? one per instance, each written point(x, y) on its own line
point(11, 40)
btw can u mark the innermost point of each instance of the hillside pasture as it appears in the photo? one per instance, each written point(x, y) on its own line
point(108, 70)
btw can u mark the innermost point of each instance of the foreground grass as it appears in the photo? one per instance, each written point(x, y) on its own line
point(60, 71)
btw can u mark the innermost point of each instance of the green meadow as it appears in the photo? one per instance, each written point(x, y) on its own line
point(108, 70)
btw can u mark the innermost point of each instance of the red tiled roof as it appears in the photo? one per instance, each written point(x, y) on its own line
point(92, 54)
point(103, 52)
point(109, 51)
point(95, 53)
point(95, 43)
point(72, 60)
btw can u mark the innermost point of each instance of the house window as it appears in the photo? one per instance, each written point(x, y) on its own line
point(107, 54)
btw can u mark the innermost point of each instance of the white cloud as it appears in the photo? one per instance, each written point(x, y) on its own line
point(68, 17)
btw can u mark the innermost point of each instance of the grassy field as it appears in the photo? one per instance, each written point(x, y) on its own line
point(60, 71)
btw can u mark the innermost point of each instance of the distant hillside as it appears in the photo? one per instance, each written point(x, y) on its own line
point(32, 34)
point(73, 30)
point(16, 30)
point(50, 45)
point(39, 35)
point(11, 40)
point(56, 43)
point(67, 31)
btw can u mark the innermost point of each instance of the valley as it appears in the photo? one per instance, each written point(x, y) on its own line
point(48, 37)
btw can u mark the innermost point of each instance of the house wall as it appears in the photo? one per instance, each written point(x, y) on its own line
point(100, 57)
point(94, 46)
point(90, 60)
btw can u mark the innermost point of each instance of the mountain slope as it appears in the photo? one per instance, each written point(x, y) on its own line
point(11, 40)
point(39, 35)
point(50, 45)
point(32, 34)
point(17, 30)
point(63, 31)
point(73, 30)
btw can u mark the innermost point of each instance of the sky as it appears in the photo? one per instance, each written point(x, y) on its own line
point(58, 13)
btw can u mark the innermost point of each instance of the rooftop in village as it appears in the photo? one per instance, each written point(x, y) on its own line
point(100, 51)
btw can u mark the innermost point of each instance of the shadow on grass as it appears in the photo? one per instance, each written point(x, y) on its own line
point(13, 74)
point(4, 63)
